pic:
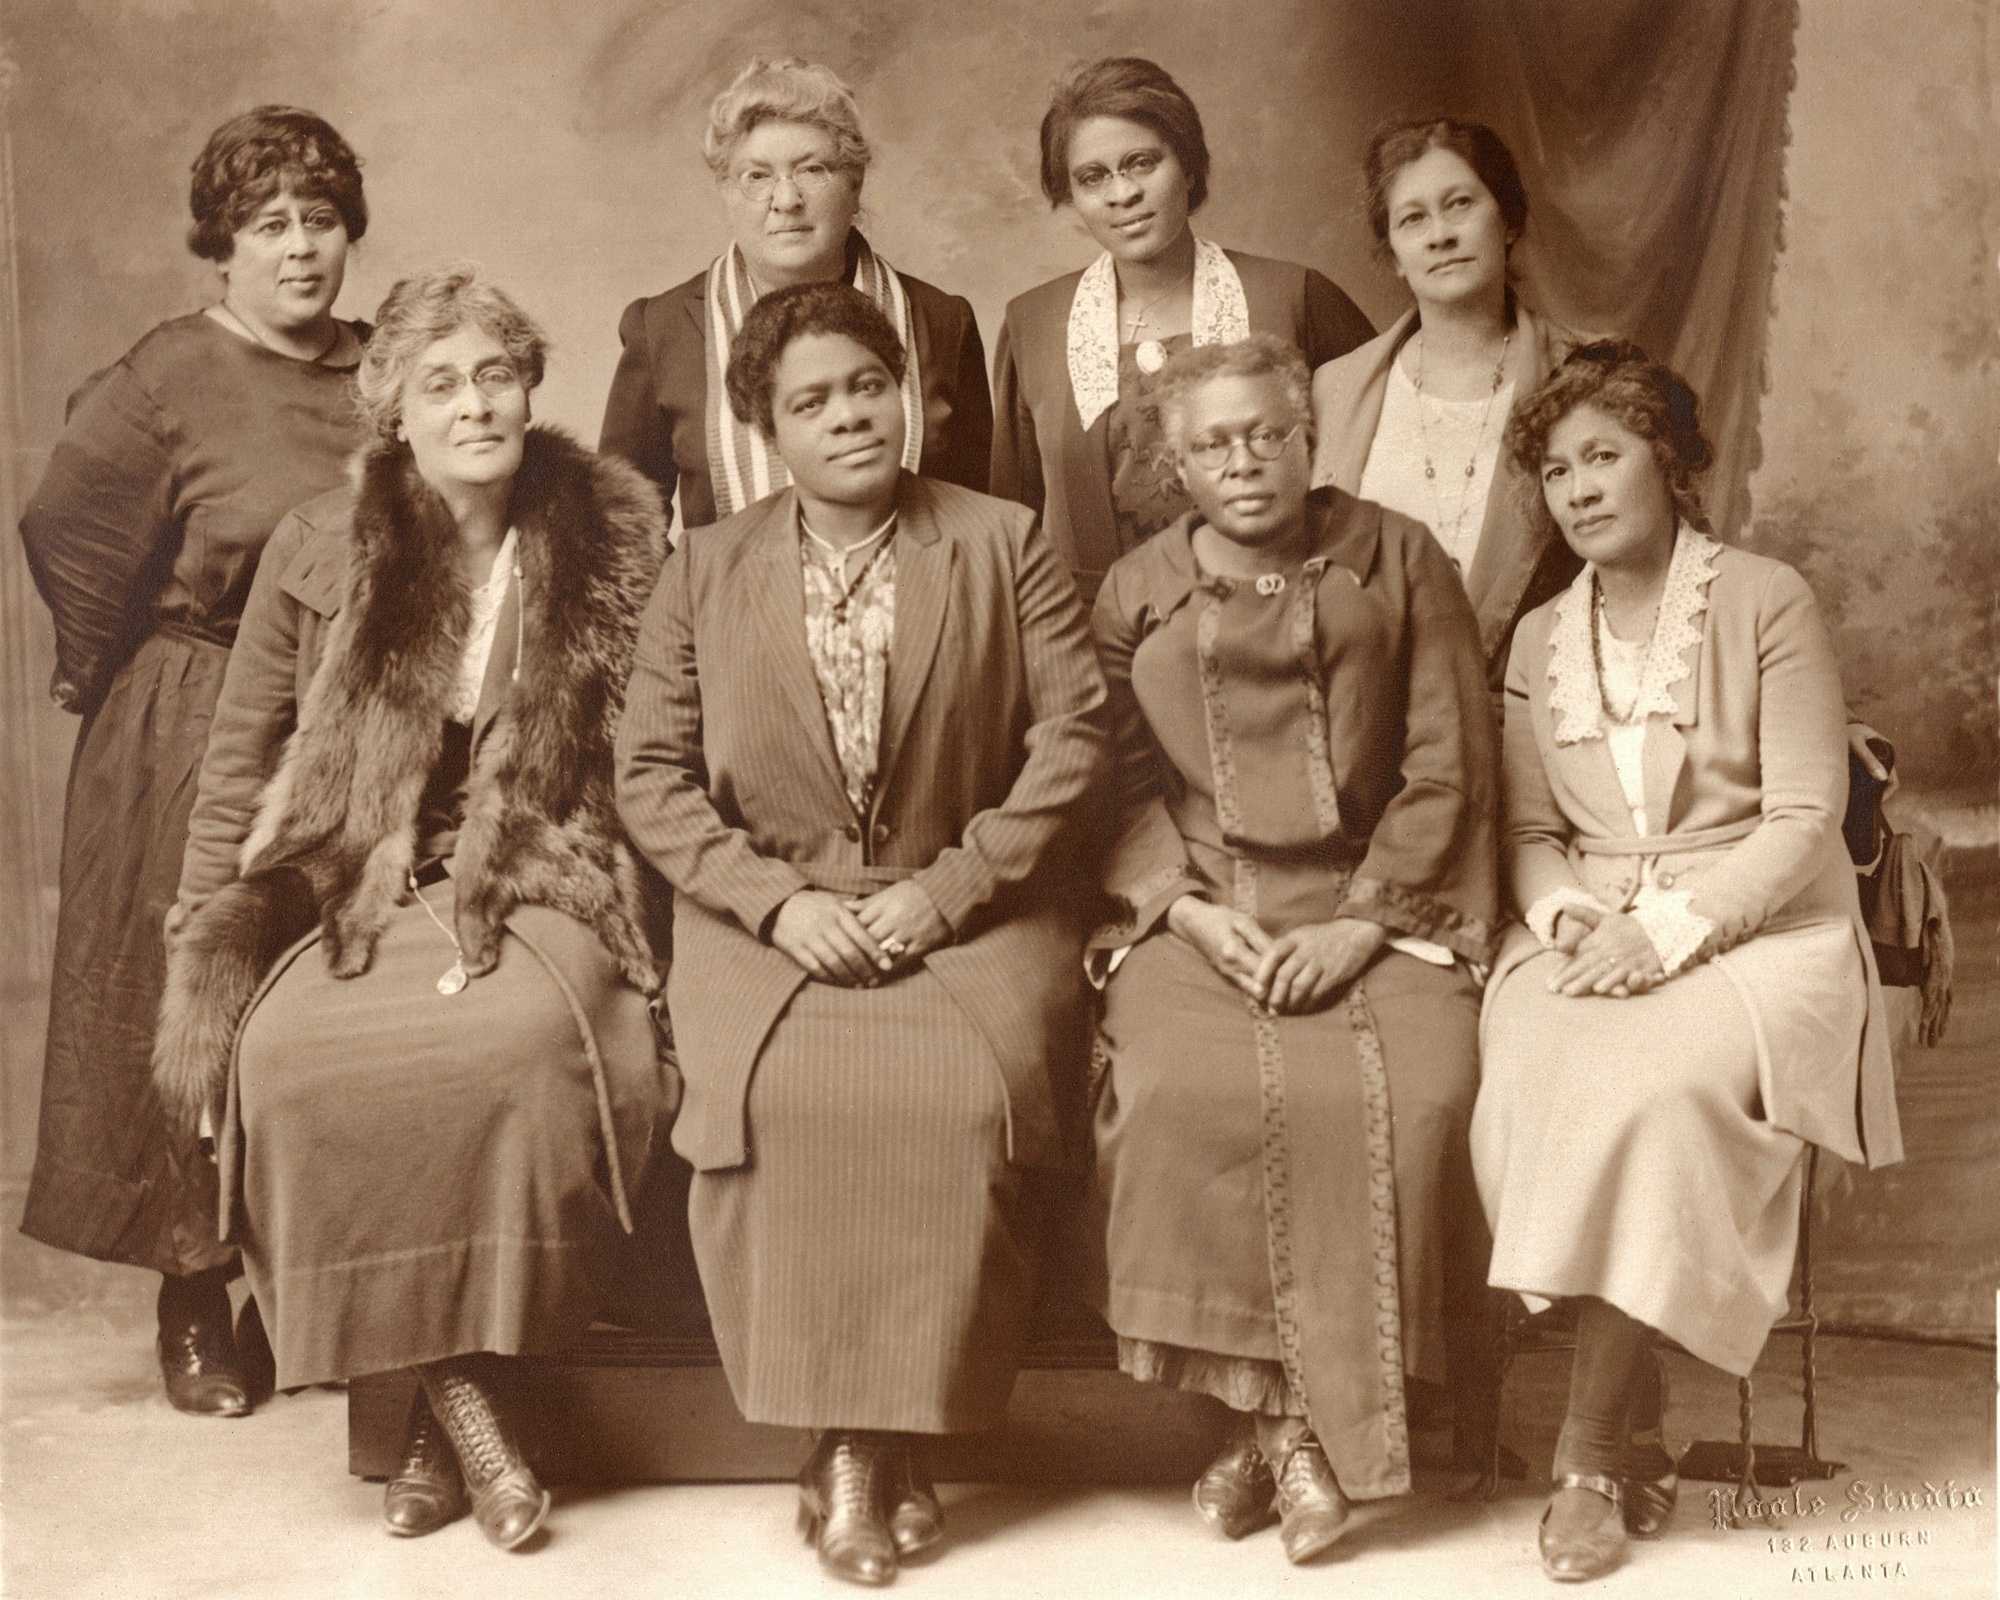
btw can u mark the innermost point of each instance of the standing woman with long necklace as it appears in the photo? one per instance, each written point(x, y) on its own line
point(1077, 435)
point(176, 464)
point(1413, 419)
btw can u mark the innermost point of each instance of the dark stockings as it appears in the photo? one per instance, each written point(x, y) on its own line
point(1611, 1351)
point(200, 1296)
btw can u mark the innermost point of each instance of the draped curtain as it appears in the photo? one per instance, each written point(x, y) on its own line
point(1651, 135)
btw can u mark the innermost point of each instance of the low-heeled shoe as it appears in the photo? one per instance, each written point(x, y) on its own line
point(1591, 1551)
point(1312, 1510)
point(1237, 1495)
point(427, 1491)
point(508, 1502)
point(916, 1520)
point(199, 1367)
point(841, 1504)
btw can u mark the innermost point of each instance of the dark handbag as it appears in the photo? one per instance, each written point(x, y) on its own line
point(1902, 896)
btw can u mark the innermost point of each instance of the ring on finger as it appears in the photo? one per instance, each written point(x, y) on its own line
point(893, 947)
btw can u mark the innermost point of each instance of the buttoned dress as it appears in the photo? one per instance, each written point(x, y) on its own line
point(1285, 1201)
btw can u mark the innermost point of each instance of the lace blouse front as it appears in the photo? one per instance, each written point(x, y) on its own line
point(487, 600)
point(1450, 435)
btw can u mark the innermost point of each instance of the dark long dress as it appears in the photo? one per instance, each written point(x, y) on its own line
point(175, 466)
point(1286, 1201)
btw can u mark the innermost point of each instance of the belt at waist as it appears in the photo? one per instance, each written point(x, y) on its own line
point(210, 634)
point(1667, 844)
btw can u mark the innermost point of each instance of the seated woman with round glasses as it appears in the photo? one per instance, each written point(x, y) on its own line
point(1306, 864)
point(784, 142)
point(409, 975)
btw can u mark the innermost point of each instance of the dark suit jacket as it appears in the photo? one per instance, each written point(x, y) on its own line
point(992, 734)
point(655, 415)
point(1042, 456)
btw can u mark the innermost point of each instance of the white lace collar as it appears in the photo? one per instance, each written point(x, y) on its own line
point(1219, 314)
point(1575, 706)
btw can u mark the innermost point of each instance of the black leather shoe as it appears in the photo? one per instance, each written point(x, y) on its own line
point(253, 1354)
point(1237, 1495)
point(427, 1491)
point(1312, 1511)
point(1578, 1554)
point(198, 1362)
point(841, 1501)
point(1650, 1472)
point(507, 1501)
point(916, 1520)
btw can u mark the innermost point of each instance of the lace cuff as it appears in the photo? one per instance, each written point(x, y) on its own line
point(1541, 916)
point(1669, 919)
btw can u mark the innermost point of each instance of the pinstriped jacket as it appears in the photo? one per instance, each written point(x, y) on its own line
point(992, 736)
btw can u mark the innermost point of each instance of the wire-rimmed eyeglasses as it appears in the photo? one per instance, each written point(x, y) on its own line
point(758, 184)
point(1266, 443)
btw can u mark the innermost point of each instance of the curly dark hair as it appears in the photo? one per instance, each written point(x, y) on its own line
point(1646, 396)
point(787, 314)
point(1395, 144)
point(259, 154)
point(1137, 90)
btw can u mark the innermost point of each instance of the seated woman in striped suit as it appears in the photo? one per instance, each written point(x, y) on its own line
point(862, 712)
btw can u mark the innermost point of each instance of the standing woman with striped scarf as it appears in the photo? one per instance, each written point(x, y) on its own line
point(785, 144)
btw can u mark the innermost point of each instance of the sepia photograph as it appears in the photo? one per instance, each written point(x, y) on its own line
point(1028, 799)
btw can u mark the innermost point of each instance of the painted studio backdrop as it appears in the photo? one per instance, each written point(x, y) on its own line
point(1792, 206)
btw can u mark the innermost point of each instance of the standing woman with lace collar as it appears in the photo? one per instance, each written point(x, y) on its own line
point(1077, 435)
point(784, 142)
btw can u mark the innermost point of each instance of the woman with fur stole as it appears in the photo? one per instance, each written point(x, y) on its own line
point(407, 978)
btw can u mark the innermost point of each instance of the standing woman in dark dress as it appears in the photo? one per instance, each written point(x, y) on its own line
point(785, 144)
point(1077, 433)
point(175, 465)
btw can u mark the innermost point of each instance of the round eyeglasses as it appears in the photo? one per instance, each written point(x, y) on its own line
point(1135, 168)
point(1265, 443)
point(758, 184)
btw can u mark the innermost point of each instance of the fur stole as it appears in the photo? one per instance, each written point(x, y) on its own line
point(335, 834)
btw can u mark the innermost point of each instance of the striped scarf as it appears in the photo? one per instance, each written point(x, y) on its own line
point(742, 465)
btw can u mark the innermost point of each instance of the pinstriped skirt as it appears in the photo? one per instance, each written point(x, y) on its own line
point(873, 1264)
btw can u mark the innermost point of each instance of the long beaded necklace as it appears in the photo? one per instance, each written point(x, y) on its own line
point(1478, 442)
point(1600, 624)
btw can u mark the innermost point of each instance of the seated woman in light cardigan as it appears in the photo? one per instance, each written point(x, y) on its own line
point(1691, 1000)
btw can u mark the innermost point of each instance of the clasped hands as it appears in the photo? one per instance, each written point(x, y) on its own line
point(1609, 954)
point(1287, 972)
point(858, 942)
